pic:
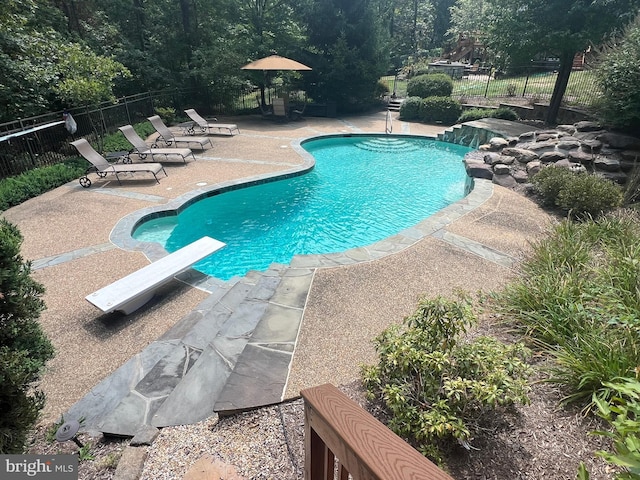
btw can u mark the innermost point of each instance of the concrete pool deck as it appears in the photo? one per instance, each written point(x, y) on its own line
point(286, 329)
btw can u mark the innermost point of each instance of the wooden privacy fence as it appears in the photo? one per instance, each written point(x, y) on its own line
point(344, 441)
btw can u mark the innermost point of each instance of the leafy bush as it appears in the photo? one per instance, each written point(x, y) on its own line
point(623, 413)
point(589, 196)
point(505, 113)
point(410, 108)
point(168, 114)
point(24, 348)
point(580, 195)
point(475, 114)
point(617, 72)
point(430, 85)
point(30, 184)
point(577, 295)
point(440, 110)
point(436, 388)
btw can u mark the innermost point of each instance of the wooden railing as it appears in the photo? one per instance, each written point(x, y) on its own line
point(344, 441)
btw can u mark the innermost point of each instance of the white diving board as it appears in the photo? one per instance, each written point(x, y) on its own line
point(131, 292)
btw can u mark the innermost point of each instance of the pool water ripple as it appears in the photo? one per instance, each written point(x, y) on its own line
point(362, 190)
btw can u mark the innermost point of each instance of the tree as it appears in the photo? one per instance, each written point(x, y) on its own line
point(349, 43)
point(24, 348)
point(560, 28)
point(39, 65)
point(618, 73)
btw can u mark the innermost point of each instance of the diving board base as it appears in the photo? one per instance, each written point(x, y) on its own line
point(131, 292)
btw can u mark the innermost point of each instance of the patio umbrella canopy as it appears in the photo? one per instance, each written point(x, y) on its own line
point(275, 62)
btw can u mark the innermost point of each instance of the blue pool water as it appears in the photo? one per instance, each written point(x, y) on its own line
point(362, 190)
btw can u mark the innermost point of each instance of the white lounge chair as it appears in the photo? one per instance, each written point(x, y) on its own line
point(205, 126)
point(169, 139)
point(133, 291)
point(102, 167)
point(143, 150)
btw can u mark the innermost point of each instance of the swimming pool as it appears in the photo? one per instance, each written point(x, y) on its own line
point(362, 189)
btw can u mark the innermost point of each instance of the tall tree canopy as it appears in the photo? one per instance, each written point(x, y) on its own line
point(41, 69)
point(350, 45)
point(561, 28)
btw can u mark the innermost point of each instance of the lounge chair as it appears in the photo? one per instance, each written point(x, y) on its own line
point(102, 167)
point(170, 139)
point(207, 127)
point(143, 150)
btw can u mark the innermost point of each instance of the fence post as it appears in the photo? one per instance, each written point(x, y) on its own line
point(486, 90)
point(526, 82)
point(126, 107)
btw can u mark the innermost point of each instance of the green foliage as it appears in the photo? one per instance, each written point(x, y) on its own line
point(430, 85)
point(581, 195)
point(440, 110)
point(410, 108)
point(24, 347)
point(589, 196)
point(622, 412)
point(578, 296)
point(168, 114)
point(436, 387)
point(117, 142)
point(505, 113)
point(618, 74)
point(30, 184)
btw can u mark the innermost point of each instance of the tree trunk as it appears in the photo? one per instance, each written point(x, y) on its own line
point(566, 64)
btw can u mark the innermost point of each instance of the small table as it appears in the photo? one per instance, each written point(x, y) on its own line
point(122, 155)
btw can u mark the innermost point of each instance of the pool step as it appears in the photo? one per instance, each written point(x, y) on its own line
point(388, 145)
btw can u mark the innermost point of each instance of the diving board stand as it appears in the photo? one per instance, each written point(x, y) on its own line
point(133, 291)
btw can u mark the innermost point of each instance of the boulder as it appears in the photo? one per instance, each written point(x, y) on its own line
point(522, 155)
point(607, 164)
point(622, 142)
point(527, 137)
point(505, 181)
point(581, 156)
point(586, 126)
point(501, 169)
point(520, 176)
point(618, 177)
point(570, 129)
point(479, 170)
point(591, 146)
point(552, 157)
point(568, 143)
point(631, 155)
point(544, 137)
point(533, 167)
point(498, 143)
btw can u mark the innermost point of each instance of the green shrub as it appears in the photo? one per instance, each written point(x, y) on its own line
point(430, 85)
point(581, 195)
point(578, 296)
point(588, 195)
point(24, 348)
point(30, 184)
point(548, 183)
point(623, 414)
point(410, 108)
point(617, 72)
point(168, 114)
point(444, 110)
point(505, 113)
point(475, 114)
point(436, 388)
point(472, 114)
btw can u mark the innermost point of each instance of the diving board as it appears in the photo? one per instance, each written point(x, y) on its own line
point(133, 291)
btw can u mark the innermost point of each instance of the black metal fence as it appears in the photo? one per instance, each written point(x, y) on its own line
point(528, 82)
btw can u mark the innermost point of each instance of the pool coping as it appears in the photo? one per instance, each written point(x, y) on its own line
point(120, 236)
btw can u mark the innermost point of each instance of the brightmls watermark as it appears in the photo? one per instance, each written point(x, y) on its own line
point(51, 467)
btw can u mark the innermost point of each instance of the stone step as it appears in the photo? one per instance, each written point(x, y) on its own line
point(260, 373)
point(182, 387)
